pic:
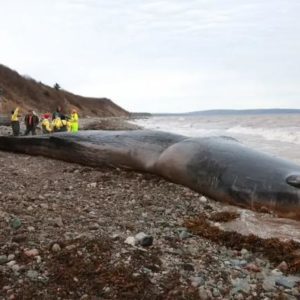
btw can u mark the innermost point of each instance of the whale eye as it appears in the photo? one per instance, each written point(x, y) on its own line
point(294, 180)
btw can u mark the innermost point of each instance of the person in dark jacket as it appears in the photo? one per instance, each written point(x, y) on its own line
point(31, 122)
point(58, 113)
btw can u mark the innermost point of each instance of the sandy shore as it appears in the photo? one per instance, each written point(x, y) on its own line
point(67, 232)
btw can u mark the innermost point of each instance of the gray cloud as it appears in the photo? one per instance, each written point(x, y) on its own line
point(159, 55)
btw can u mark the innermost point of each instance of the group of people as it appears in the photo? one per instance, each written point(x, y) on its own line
point(58, 122)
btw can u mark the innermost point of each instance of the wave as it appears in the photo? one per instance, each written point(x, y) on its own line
point(287, 134)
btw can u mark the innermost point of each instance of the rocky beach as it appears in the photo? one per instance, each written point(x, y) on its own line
point(74, 232)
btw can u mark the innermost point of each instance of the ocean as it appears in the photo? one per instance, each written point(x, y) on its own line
point(275, 134)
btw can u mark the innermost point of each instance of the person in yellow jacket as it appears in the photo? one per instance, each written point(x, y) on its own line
point(74, 121)
point(46, 126)
point(59, 124)
point(15, 122)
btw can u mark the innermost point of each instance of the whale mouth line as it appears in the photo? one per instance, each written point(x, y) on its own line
point(293, 180)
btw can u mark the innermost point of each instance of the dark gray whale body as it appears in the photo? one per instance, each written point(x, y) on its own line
point(218, 167)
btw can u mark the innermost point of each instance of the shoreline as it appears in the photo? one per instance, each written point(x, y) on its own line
point(64, 227)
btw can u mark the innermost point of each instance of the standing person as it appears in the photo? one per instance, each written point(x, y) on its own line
point(15, 122)
point(57, 113)
point(74, 121)
point(31, 122)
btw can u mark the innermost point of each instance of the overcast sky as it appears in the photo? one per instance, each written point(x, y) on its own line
point(159, 55)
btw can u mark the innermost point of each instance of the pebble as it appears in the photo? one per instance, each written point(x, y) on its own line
point(58, 222)
point(252, 267)
point(197, 281)
point(92, 185)
point(203, 199)
point(16, 223)
point(10, 257)
point(143, 239)
point(130, 241)
point(3, 259)
point(204, 294)
point(94, 226)
point(55, 247)
point(30, 228)
point(282, 266)
point(44, 205)
point(238, 262)
point(276, 272)
point(11, 263)
point(15, 268)
point(244, 251)
point(32, 275)
point(285, 282)
point(31, 252)
point(184, 235)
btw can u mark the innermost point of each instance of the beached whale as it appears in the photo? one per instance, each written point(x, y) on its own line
point(218, 167)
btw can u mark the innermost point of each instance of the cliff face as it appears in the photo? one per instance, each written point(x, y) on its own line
point(29, 94)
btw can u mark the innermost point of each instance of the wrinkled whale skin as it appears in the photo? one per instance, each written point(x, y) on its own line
point(218, 167)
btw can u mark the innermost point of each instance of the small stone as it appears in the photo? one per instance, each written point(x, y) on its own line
point(70, 247)
point(44, 205)
point(30, 228)
point(15, 268)
point(130, 241)
point(3, 259)
point(143, 239)
point(11, 263)
point(184, 235)
point(239, 296)
point(31, 252)
point(276, 272)
point(19, 238)
point(38, 259)
point(32, 275)
point(203, 199)
point(283, 267)
point(10, 257)
point(197, 281)
point(244, 251)
point(216, 292)
point(238, 263)
point(285, 282)
point(204, 294)
point(94, 226)
point(58, 222)
point(188, 267)
point(55, 247)
point(92, 185)
point(16, 223)
point(252, 267)
point(268, 284)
